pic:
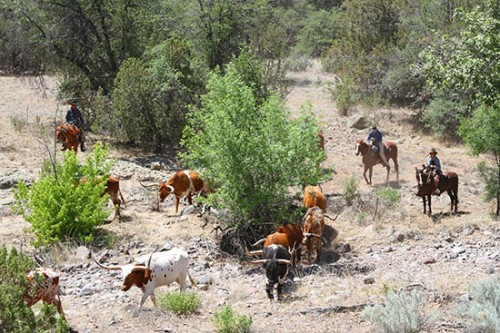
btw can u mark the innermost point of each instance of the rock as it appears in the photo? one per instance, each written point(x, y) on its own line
point(156, 166)
point(359, 122)
point(82, 253)
point(86, 290)
point(344, 248)
point(204, 279)
point(369, 280)
point(428, 260)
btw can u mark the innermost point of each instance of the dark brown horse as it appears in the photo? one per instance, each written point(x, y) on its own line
point(371, 158)
point(427, 187)
point(69, 135)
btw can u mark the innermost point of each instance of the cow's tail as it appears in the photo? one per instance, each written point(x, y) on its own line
point(193, 282)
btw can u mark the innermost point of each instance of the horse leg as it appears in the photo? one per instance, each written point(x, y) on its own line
point(364, 175)
point(370, 172)
point(424, 201)
point(429, 199)
point(396, 167)
point(388, 168)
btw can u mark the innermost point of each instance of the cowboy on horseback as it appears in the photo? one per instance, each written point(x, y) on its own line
point(74, 117)
point(434, 164)
point(375, 138)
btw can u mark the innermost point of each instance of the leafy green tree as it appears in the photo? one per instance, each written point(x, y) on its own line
point(153, 95)
point(249, 149)
point(482, 134)
point(468, 64)
point(60, 205)
point(15, 315)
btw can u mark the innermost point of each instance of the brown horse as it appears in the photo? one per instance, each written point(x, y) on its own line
point(69, 135)
point(371, 158)
point(427, 187)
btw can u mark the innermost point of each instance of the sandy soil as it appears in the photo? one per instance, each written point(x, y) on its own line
point(392, 264)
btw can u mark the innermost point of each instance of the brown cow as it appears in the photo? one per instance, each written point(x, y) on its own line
point(314, 224)
point(182, 184)
point(43, 285)
point(313, 196)
point(295, 238)
point(113, 190)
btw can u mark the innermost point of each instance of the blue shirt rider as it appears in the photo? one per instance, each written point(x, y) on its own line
point(434, 164)
point(375, 137)
point(74, 117)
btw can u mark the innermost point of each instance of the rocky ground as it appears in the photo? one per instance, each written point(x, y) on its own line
point(378, 247)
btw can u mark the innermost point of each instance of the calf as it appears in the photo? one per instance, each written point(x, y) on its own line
point(161, 269)
point(314, 224)
point(182, 184)
point(43, 285)
point(313, 196)
point(277, 261)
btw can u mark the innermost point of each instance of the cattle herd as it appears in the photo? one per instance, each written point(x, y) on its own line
point(279, 250)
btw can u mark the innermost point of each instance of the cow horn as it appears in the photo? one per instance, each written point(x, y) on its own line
point(147, 186)
point(333, 219)
point(260, 261)
point(283, 261)
point(111, 268)
point(255, 253)
point(259, 242)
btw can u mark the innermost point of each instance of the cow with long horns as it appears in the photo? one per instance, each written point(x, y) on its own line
point(277, 262)
point(181, 184)
point(161, 269)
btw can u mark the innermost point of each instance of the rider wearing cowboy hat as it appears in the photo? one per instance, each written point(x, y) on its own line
point(434, 164)
point(74, 117)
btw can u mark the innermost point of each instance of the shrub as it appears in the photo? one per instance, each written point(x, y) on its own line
point(181, 302)
point(403, 313)
point(350, 192)
point(153, 95)
point(248, 147)
point(18, 123)
point(15, 315)
point(388, 195)
point(58, 206)
point(227, 321)
point(484, 308)
point(442, 116)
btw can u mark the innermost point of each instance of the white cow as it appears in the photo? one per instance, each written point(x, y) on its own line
point(161, 269)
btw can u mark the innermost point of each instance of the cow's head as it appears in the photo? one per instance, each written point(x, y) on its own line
point(138, 275)
point(165, 190)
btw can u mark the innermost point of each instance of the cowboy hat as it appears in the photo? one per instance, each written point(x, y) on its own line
point(433, 151)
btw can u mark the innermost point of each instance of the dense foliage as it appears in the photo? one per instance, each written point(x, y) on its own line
point(15, 315)
point(66, 204)
point(152, 95)
point(228, 321)
point(482, 134)
point(247, 146)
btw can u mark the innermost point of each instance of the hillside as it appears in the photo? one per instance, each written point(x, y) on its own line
point(392, 248)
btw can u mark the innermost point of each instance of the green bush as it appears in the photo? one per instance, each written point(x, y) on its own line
point(181, 302)
point(484, 308)
point(59, 206)
point(350, 192)
point(153, 94)
point(388, 195)
point(15, 315)
point(442, 116)
point(248, 147)
point(402, 313)
point(227, 321)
